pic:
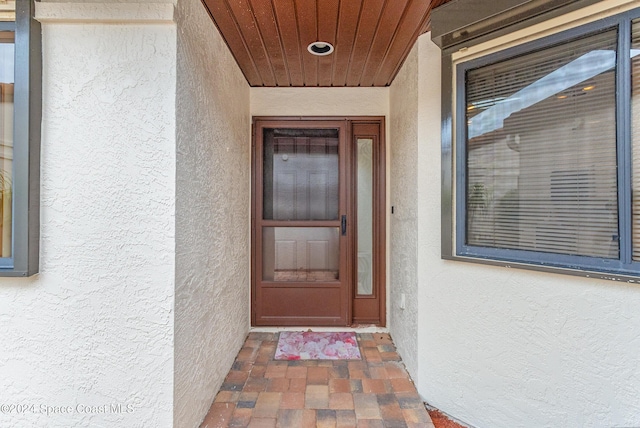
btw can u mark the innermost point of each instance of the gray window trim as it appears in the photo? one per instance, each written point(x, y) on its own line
point(471, 22)
point(624, 269)
point(27, 130)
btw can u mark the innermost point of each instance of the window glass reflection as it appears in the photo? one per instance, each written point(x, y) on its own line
point(541, 150)
point(300, 254)
point(300, 174)
point(7, 48)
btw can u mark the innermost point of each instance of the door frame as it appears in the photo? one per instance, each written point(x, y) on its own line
point(365, 305)
point(379, 213)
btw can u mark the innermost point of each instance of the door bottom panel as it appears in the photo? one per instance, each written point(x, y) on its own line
point(300, 306)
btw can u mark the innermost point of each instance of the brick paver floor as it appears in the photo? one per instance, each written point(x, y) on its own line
point(373, 392)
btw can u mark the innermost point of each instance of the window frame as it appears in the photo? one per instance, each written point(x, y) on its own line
point(24, 260)
point(454, 187)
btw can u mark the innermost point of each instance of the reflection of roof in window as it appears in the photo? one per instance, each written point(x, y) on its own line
point(7, 10)
point(579, 70)
point(6, 62)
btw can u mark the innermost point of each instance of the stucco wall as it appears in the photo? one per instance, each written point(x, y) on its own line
point(212, 213)
point(502, 347)
point(403, 245)
point(95, 327)
point(319, 101)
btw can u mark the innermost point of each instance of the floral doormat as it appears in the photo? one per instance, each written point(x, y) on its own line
point(298, 345)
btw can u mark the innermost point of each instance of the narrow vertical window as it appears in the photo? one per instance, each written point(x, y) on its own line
point(20, 128)
point(7, 120)
point(7, 54)
point(365, 215)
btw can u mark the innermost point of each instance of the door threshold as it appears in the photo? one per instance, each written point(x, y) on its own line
point(356, 329)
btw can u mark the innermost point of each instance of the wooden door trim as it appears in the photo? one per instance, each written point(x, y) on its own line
point(377, 132)
point(380, 203)
point(261, 288)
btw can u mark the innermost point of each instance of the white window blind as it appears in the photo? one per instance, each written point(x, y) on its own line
point(635, 134)
point(541, 150)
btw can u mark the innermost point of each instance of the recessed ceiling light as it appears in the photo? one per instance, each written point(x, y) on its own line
point(588, 88)
point(320, 48)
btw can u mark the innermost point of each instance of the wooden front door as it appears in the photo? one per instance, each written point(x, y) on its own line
point(304, 225)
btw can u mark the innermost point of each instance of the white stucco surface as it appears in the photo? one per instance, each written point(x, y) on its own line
point(319, 101)
point(403, 244)
point(106, 12)
point(95, 327)
point(502, 347)
point(145, 218)
point(213, 238)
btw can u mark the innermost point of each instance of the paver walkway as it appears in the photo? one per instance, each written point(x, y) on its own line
point(373, 392)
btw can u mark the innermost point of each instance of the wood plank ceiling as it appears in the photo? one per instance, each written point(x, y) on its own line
point(269, 39)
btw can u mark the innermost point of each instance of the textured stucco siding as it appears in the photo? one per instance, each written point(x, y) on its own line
point(403, 245)
point(213, 238)
point(114, 13)
point(502, 347)
point(319, 101)
point(95, 327)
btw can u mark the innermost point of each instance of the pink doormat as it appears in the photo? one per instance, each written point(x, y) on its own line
point(298, 345)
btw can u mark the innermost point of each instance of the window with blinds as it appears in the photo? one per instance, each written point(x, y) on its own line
point(635, 133)
point(541, 150)
point(547, 150)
